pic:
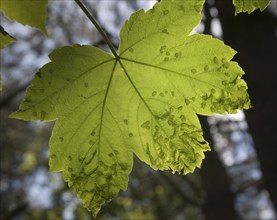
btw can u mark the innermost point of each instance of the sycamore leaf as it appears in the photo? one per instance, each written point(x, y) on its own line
point(27, 12)
point(250, 5)
point(5, 39)
point(143, 101)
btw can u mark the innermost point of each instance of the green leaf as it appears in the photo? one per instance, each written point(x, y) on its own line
point(5, 39)
point(88, 143)
point(145, 101)
point(250, 5)
point(27, 12)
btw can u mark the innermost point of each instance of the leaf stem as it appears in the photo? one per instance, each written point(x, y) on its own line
point(98, 27)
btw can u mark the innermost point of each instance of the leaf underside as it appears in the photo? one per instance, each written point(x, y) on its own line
point(250, 5)
point(27, 12)
point(145, 101)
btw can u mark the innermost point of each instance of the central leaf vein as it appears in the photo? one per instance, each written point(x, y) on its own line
point(103, 108)
point(171, 71)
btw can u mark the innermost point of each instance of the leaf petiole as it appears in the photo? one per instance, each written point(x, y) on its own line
point(98, 27)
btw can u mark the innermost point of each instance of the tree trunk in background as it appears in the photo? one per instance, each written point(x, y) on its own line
point(220, 200)
point(254, 37)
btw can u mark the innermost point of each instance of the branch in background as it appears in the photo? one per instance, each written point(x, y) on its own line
point(177, 188)
point(207, 20)
point(248, 184)
point(180, 191)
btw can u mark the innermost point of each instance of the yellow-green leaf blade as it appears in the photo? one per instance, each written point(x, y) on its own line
point(145, 101)
point(250, 5)
point(166, 19)
point(27, 12)
point(177, 77)
point(87, 144)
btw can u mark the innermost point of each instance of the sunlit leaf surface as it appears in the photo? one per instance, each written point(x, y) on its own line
point(145, 101)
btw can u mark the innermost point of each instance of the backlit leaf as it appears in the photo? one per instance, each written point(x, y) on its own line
point(27, 12)
point(145, 101)
point(250, 5)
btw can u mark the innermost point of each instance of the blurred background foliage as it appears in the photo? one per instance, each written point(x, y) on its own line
point(238, 177)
